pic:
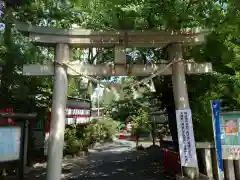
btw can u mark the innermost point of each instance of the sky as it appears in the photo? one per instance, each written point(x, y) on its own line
point(100, 90)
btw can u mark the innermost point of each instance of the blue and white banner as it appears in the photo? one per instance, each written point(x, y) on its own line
point(215, 104)
point(187, 149)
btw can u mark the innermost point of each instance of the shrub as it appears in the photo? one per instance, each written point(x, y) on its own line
point(108, 128)
point(71, 144)
point(81, 138)
point(140, 124)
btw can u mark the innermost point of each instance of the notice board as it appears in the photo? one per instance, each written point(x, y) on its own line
point(10, 140)
point(230, 135)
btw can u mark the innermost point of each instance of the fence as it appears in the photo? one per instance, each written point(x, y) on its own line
point(208, 159)
point(231, 167)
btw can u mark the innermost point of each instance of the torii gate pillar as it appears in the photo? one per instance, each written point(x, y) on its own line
point(182, 103)
point(59, 101)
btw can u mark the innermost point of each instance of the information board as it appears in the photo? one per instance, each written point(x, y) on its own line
point(10, 140)
point(77, 112)
point(230, 135)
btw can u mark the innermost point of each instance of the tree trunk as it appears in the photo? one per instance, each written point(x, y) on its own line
point(137, 139)
point(153, 132)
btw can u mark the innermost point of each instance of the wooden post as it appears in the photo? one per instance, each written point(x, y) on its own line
point(207, 161)
point(229, 170)
point(205, 148)
point(237, 169)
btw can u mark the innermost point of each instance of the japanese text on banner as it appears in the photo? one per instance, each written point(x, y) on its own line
point(186, 138)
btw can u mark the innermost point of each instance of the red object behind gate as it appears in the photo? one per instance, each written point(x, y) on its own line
point(121, 136)
point(172, 163)
point(8, 120)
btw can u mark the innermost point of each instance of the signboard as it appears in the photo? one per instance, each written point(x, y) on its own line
point(230, 135)
point(158, 117)
point(10, 140)
point(186, 138)
point(215, 105)
point(77, 112)
point(77, 115)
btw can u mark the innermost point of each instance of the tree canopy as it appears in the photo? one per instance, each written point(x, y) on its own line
point(222, 49)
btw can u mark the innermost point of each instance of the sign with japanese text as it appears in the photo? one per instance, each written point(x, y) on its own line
point(77, 112)
point(230, 135)
point(77, 115)
point(186, 138)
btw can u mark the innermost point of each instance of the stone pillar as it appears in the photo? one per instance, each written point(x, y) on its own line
point(58, 114)
point(180, 94)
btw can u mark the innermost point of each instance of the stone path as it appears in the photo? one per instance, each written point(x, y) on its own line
point(112, 161)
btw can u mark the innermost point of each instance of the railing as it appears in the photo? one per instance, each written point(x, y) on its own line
point(209, 160)
point(208, 155)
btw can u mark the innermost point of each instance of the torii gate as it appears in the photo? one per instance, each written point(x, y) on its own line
point(62, 39)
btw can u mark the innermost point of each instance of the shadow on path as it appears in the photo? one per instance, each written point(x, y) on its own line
point(112, 161)
point(143, 165)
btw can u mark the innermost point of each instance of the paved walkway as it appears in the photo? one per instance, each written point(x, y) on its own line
point(112, 161)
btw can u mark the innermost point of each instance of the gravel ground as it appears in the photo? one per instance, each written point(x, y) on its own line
point(112, 161)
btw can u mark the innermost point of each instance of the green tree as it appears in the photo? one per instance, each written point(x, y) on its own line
point(221, 49)
point(140, 124)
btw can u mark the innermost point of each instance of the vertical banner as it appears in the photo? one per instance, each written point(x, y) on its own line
point(186, 138)
point(217, 136)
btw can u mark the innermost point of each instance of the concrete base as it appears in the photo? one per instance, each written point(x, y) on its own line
point(201, 177)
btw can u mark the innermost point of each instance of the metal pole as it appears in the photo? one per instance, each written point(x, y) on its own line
point(22, 165)
point(181, 95)
point(57, 125)
point(26, 143)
